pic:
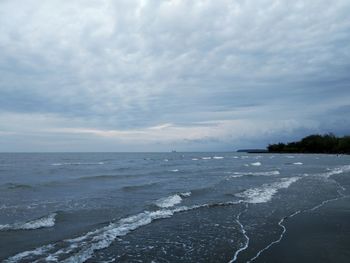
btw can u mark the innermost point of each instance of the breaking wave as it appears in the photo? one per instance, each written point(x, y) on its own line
point(269, 173)
point(265, 193)
point(256, 164)
point(43, 222)
point(334, 171)
point(82, 248)
point(172, 200)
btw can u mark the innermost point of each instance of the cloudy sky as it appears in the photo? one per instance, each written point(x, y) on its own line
point(127, 75)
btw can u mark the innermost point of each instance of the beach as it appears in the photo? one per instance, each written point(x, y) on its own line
point(322, 235)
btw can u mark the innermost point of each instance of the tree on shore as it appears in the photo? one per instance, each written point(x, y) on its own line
point(327, 143)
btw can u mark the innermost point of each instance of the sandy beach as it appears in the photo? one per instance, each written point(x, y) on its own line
point(322, 235)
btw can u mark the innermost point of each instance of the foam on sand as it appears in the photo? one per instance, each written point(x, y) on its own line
point(265, 193)
point(43, 222)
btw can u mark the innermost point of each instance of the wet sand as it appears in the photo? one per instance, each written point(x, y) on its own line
point(322, 235)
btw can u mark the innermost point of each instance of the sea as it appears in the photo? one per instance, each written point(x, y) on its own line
point(158, 207)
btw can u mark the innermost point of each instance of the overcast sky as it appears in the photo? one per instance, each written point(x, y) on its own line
point(161, 75)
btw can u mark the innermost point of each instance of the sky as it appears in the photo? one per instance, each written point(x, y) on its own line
point(127, 75)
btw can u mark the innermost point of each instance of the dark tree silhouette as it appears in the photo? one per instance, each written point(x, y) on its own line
point(327, 143)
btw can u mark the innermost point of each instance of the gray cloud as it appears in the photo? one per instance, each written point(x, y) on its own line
point(133, 65)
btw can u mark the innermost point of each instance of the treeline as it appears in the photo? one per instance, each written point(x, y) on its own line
point(327, 143)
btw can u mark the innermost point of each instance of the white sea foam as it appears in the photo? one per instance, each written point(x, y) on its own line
point(338, 170)
point(234, 176)
point(172, 200)
point(174, 170)
point(169, 201)
point(43, 222)
point(256, 164)
point(244, 232)
point(194, 159)
point(284, 230)
point(218, 157)
point(298, 163)
point(186, 194)
point(23, 255)
point(206, 158)
point(265, 193)
point(268, 173)
point(83, 247)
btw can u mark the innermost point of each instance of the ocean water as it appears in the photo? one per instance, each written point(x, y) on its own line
point(157, 207)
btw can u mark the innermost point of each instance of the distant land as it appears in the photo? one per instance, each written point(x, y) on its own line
point(327, 143)
point(252, 151)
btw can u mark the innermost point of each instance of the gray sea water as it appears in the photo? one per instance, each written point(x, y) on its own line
point(157, 207)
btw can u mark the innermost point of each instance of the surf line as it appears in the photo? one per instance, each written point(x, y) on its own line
point(280, 223)
point(244, 232)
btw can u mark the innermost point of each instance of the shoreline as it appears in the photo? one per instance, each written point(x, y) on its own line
point(321, 235)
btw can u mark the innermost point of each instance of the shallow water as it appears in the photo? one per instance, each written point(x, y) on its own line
point(160, 207)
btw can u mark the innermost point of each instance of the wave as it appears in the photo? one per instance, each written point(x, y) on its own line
point(77, 163)
point(334, 171)
point(298, 163)
point(43, 222)
point(96, 177)
point(17, 186)
point(268, 173)
point(174, 170)
point(206, 158)
point(265, 193)
point(138, 187)
point(256, 164)
point(83, 247)
point(218, 157)
point(172, 200)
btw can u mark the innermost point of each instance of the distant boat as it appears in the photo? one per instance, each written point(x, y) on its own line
point(173, 151)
